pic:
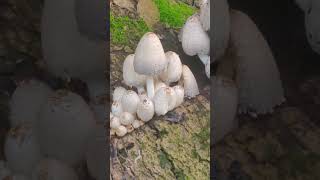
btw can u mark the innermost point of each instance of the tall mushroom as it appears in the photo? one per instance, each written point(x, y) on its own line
point(258, 77)
point(174, 69)
point(150, 59)
point(130, 77)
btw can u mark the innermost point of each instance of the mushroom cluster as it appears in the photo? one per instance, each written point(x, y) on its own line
point(194, 35)
point(161, 81)
point(52, 131)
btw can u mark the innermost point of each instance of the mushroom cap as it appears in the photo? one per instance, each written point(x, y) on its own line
point(145, 110)
point(27, 100)
point(126, 118)
point(130, 77)
point(115, 122)
point(136, 124)
point(179, 95)
point(161, 102)
point(158, 85)
point(221, 27)
point(149, 56)
point(225, 102)
point(67, 113)
point(189, 82)
point(118, 93)
point(130, 101)
point(172, 98)
point(52, 169)
point(121, 131)
point(174, 69)
point(116, 108)
point(22, 150)
point(205, 14)
point(194, 39)
point(258, 77)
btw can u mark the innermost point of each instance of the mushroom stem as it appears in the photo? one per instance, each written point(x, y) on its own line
point(204, 58)
point(150, 87)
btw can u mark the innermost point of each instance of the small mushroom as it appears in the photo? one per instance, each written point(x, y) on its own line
point(130, 77)
point(174, 69)
point(160, 100)
point(115, 122)
point(126, 118)
point(150, 59)
point(189, 83)
point(121, 131)
point(27, 100)
point(116, 108)
point(52, 169)
point(67, 113)
point(159, 84)
point(118, 93)
point(179, 95)
point(136, 124)
point(130, 101)
point(145, 110)
point(172, 98)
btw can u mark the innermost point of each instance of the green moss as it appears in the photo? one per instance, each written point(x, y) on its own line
point(164, 161)
point(174, 14)
point(125, 30)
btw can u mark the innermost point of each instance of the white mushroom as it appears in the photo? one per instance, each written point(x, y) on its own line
point(115, 122)
point(225, 102)
point(174, 69)
point(27, 100)
point(68, 114)
point(221, 27)
point(130, 77)
point(205, 14)
point(172, 98)
point(118, 93)
point(136, 124)
point(22, 150)
point(145, 110)
point(150, 59)
point(126, 118)
point(121, 131)
point(207, 68)
point(130, 101)
point(189, 83)
point(161, 102)
point(195, 40)
point(179, 94)
point(258, 78)
point(116, 108)
point(52, 169)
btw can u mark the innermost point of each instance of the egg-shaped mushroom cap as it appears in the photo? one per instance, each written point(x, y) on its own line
point(224, 98)
point(258, 77)
point(126, 118)
point(130, 77)
point(179, 94)
point(114, 122)
point(52, 169)
point(121, 131)
point(149, 56)
point(194, 39)
point(21, 149)
point(221, 27)
point(174, 69)
point(145, 110)
point(116, 108)
point(161, 102)
point(118, 93)
point(130, 101)
point(27, 100)
point(67, 113)
point(190, 84)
